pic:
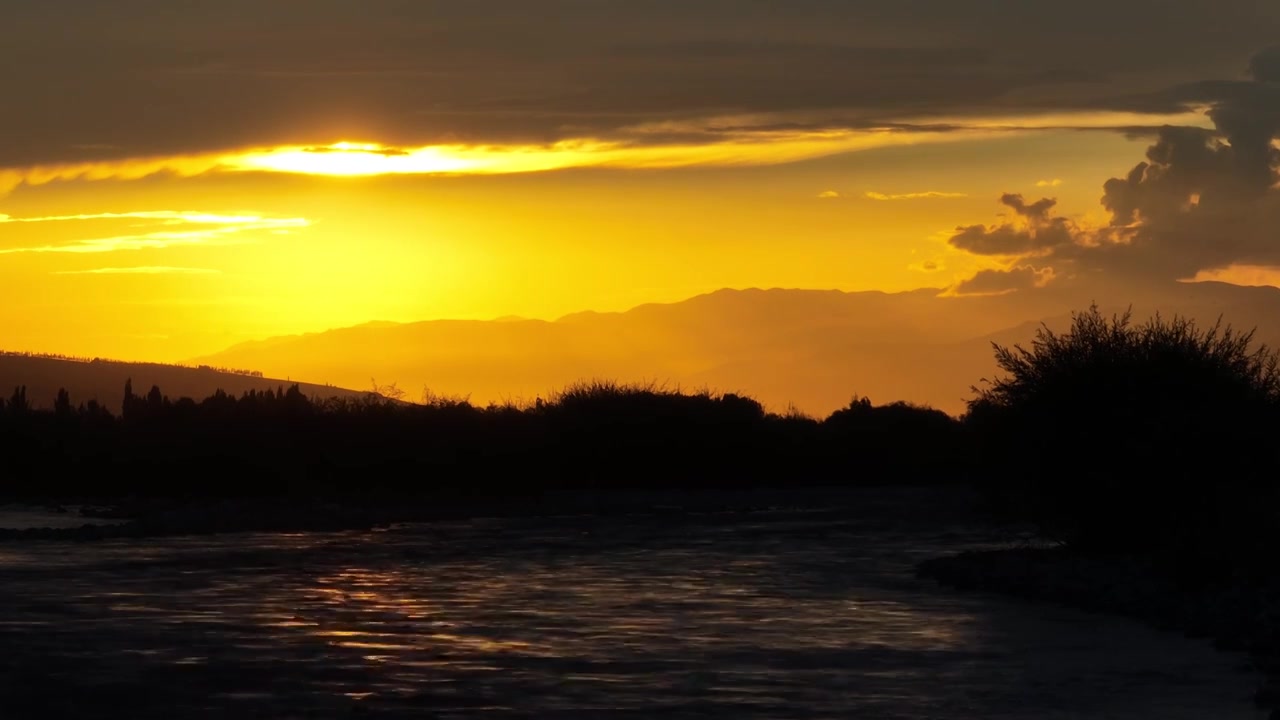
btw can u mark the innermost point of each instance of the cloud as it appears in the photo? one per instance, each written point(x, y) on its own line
point(1037, 212)
point(1240, 275)
point(928, 195)
point(1033, 232)
point(1203, 205)
point(351, 159)
point(1203, 199)
point(206, 228)
point(928, 266)
point(1264, 66)
point(141, 270)
point(168, 217)
point(715, 142)
point(1002, 282)
point(828, 194)
point(1056, 182)
point(125, 81)
point(123, 169)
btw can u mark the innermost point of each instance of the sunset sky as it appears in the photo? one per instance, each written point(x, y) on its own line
point(177, 177)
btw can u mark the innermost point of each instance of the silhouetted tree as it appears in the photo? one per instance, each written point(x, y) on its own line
point(128, 403)
point(94, 411)
point(18, 401)
point(390, 391)
point(1155, 437)
point(62, 404)
point(155, 399)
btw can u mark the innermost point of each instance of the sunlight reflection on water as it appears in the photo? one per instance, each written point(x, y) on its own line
point(780, 614)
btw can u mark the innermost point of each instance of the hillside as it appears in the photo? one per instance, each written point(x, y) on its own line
point(810, 348)
point(104, 380)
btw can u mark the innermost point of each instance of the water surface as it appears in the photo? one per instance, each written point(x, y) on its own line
point(767, 614)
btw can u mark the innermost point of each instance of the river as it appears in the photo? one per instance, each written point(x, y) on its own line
point(775, 613)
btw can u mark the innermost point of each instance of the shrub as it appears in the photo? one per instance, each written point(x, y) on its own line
point(896, 441)
point(1155, 437)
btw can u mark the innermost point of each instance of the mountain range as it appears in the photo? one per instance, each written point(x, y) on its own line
point(811, 350)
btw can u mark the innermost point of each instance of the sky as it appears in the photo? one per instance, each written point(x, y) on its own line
point(178, 177)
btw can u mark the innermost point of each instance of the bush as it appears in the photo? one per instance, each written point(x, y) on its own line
point(1156, 437)
point(897, 440)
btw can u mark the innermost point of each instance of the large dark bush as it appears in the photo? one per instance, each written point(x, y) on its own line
point(896, 441)
point(1159, 437)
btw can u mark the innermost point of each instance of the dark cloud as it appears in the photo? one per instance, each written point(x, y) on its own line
point(137, 78)
point(1000, 240)
point(1037, 211)
point(1265, 66)
point(1202, 199)
point(1206, 200)
point(1000, 282)
point(1036, 233)
point(1178, 166)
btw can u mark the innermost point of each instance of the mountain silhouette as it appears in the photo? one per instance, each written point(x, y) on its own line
point(104, 380)
point(808, 348)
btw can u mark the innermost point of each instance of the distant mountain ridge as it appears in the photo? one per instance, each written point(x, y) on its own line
point(811, 349)
point(103, 380)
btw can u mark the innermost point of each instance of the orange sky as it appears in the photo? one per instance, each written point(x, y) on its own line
point(184, 180)
point(168, 267)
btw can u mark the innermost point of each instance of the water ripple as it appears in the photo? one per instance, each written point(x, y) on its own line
point(761, 615)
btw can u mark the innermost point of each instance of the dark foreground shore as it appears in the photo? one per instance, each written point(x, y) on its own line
point(1242, 615)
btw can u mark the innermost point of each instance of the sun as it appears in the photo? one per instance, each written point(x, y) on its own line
point(354, 159)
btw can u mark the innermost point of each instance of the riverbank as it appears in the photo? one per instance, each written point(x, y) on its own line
point(1242, 615)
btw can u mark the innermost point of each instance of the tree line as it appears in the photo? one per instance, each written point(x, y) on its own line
point(595, 435)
